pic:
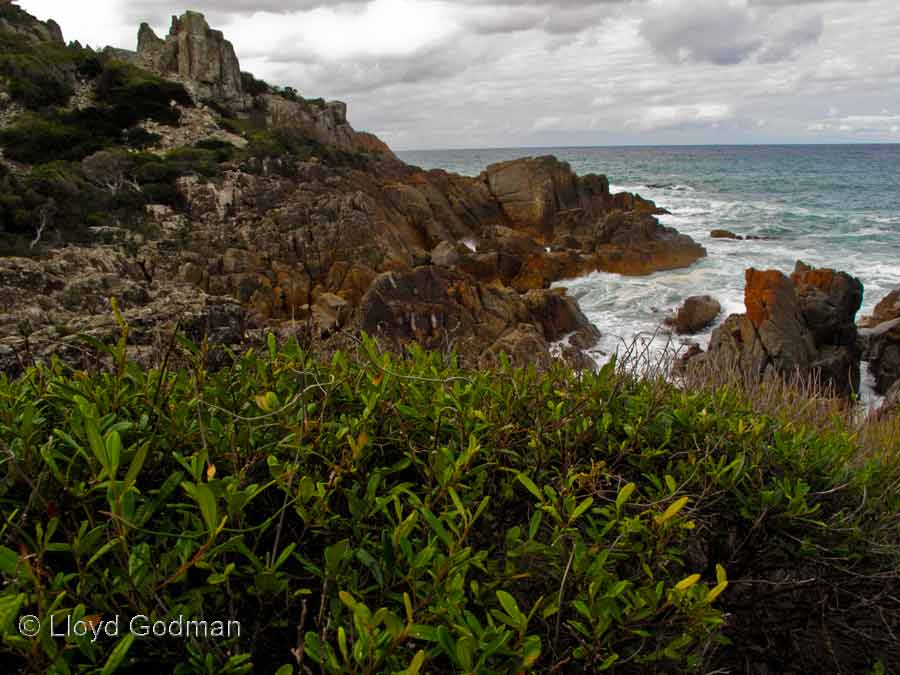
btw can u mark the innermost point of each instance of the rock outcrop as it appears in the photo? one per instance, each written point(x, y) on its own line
point(695, 314)
point(881, 339)
point(201, 58)
point(48, 305)
point(799, 325)
point(534, 192)
point(445, 309)
point(308, 221)
point(15, 20)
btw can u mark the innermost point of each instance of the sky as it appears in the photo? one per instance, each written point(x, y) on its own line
point(428, 74)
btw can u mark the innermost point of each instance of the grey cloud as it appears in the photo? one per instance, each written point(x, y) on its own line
point(786, 45)
point(708, 31)
point(704, 31)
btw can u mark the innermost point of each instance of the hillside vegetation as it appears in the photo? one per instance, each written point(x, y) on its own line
point(91, 163)
point(375, 514)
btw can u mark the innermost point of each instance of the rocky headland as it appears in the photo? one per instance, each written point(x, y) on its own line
point(238, 207)
point(210, 202)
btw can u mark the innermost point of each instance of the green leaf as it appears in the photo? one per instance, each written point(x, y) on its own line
point(582, 507)
point(624, 495)
point(465, 651)
point(508, 602)
point(687, 582)
point(416, 664)
point(334, 556)
point(445, 640)
point(531, 651)
point(118, 654)
point(98, 447)
point(286, 669)
point(137, 463)
point(672, 511)
point(438, 528)
point(113, 452)
point(9, 561)
point(206, 500)
point(530, 486)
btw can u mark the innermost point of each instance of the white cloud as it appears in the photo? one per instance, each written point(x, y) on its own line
point(463, 73)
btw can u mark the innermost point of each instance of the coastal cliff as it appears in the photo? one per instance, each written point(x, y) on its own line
point(197, 181)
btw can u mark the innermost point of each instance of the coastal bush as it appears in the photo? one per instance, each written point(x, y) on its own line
point(125, 96)
point(375, 514)
point(37, 75)
point(253, 86)
point(51, 137)
point(134, 95)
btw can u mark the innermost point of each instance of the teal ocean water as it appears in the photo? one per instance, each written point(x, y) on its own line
point(834, 206)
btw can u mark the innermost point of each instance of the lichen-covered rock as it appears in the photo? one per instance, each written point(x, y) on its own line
point(800, 325)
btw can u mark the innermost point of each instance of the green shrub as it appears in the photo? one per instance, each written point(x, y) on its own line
point(134, 95)
point(38, 75)
point(376, 515)
point(56, 136)
point(253, 86)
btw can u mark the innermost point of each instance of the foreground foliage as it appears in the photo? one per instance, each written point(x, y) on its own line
point(371, 514)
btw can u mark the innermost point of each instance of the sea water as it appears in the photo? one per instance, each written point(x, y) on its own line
point(827, 205)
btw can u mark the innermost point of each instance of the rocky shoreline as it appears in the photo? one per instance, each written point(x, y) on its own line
point(326, 231)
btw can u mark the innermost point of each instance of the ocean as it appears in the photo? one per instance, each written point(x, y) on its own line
point(828, 205)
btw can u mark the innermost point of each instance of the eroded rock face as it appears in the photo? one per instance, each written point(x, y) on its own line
point(48, 304)
point(533, 191)
point(325, 122)
point(199, 56)
point(444, 309)
point(803, 324)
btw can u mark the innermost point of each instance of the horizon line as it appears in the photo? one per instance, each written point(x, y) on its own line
point(651, 145)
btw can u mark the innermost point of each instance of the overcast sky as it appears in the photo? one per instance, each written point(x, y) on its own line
point(511, 73)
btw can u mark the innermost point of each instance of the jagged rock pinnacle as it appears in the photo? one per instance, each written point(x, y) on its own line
point(199, 56)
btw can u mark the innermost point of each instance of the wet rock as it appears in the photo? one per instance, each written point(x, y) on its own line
point(725, 234)
point(637, 244)
point(695, 314)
